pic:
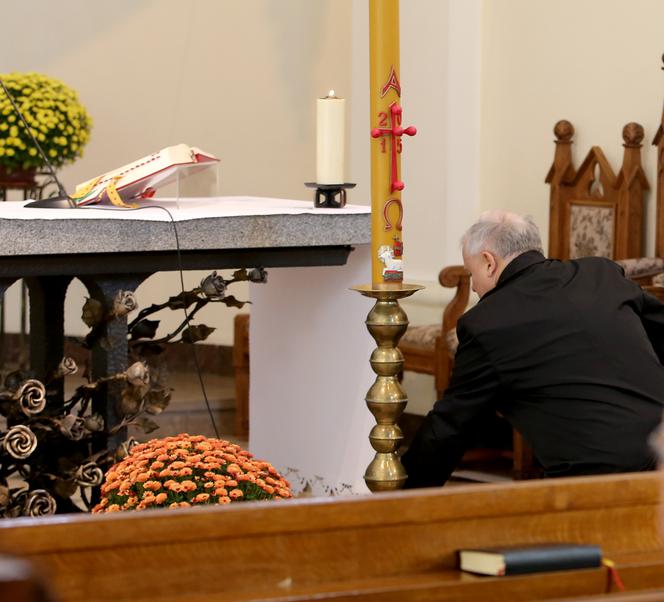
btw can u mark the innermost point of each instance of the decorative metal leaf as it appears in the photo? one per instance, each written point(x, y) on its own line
point(157, 400)
point(183, 300)
point(92, 313)
point(131, 400)
point(146, 425)
point(15, 379)
point(95, 335)
point(231, 301)
point(7, 405)
point(145, 329)
point(65, 488)
point(196, 332)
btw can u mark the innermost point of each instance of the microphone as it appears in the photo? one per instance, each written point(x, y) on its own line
point(63, 201)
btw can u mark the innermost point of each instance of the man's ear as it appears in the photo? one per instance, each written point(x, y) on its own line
point(490, 263)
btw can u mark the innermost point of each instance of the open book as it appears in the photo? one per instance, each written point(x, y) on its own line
point(140, 179)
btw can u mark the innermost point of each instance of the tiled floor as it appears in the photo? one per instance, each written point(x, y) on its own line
point(188, 413)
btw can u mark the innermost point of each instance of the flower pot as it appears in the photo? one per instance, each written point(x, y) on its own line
point(17, 178)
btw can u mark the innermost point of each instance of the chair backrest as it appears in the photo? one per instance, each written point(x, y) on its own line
point(658, 141)
point(593, 211)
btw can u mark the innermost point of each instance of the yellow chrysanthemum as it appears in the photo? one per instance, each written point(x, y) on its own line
point(54, 114)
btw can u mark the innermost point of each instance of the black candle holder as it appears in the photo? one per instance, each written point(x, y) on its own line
point(329, 194)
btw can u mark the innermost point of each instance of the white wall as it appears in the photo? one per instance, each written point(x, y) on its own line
point(440, 77)
point(238, 79)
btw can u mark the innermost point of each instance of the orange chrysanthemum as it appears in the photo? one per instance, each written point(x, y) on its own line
point(182, 471)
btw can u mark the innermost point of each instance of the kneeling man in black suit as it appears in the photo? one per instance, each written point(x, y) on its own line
point(569, 352)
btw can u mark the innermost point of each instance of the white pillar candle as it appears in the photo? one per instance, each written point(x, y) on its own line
point(330, 121)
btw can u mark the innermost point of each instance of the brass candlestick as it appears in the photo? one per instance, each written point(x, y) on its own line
point(386, 399)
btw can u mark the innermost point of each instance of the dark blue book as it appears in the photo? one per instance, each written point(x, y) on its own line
point(519, 560)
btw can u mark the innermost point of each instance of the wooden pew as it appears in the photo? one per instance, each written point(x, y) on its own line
point(20, 583)
point(389, 547)
point(652, 595)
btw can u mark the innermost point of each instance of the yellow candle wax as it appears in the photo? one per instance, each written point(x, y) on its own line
point(385, 93)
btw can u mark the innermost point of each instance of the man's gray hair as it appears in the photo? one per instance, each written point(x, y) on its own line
point(503, 233)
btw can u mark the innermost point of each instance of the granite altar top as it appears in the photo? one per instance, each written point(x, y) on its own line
point(202, 224)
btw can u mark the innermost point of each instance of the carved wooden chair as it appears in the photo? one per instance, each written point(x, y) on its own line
point(429, 349)
point(241, 371)
point(594, 212)
point(655, 284)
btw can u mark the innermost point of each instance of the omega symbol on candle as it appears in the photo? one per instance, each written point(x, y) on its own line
point(330, 124)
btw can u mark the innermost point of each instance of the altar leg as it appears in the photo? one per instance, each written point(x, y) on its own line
point(110, 356)
point(47, 313)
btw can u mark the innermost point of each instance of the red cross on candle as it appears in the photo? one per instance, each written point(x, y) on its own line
point(395, 132)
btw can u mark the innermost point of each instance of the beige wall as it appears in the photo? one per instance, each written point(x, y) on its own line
point(593, 62)
point(484, 81)
point(238, 79)
point(440, 79)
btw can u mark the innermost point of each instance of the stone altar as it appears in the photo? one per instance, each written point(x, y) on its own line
point(112, 249)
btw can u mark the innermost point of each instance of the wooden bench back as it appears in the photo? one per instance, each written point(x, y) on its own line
point(393, 542)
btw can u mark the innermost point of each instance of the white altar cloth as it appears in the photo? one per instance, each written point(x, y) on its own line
point(310, 373)
point(182, 209)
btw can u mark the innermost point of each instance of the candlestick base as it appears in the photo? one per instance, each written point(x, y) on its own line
point(386, 400)
point(329, 192)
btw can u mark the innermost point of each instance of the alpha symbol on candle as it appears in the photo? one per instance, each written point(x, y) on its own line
point(392, 82)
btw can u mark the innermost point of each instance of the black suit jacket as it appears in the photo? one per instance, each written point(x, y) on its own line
point(570, 352)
